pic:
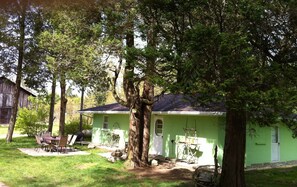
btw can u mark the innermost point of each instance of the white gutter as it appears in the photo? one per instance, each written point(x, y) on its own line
point(103, 112)
point(199, 113)
point(196, 113)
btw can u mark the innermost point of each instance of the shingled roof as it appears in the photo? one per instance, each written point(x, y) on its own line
point(165, 104)
point(25, 89)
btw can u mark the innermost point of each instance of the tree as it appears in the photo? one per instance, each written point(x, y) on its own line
point(71, 29)
point(17, 12)
point(137, 66)
point(20, 23)
point(235, 53)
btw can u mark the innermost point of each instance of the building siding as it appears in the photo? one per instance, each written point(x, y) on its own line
point(6, 99)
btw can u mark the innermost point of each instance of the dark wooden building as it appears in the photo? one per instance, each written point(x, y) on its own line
point(6, 99)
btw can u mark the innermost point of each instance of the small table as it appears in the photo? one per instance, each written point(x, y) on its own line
point(52, 141)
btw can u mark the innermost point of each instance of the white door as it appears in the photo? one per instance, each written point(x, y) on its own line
point(275, 144)
point(158, 137)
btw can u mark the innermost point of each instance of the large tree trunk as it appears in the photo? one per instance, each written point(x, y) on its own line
point(148, 94)
point(134, 149)
point(52, 105)
point(234, 150)
point(16, 94)
point(62, 105)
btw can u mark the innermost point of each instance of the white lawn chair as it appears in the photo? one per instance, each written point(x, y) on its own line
point(72, 141)
point(69, 136)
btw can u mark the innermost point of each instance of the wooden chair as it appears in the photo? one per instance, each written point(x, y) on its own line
point(41, 145)
point(62, 144)
point(45, 135)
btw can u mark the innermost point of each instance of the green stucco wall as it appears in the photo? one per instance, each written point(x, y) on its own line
point(207, 129)
point(288, 145)
point(259, 149)
point(258, 145)
point(210, 132)
point(115, 121)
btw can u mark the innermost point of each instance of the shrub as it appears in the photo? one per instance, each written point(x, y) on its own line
point(72, 127)
point(33, 120)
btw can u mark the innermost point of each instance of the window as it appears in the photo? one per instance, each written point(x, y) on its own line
point(159, 127)
point(1, 99)
point(7, 101)
point(275, 138)
point(105, 122)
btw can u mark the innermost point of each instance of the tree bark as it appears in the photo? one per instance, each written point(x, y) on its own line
point(52, 105)
point(134, 135)
point(234, 150)
point(148, 94)
point(81, 108)
point(21, 46)
point(62, 105)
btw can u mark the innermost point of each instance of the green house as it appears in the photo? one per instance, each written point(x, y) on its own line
point(190, 133)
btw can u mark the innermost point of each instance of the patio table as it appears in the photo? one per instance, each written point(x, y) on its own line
point(52, 140)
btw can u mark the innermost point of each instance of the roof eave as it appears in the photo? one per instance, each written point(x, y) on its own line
point(200, 113)
point(194, 113)
point(103, 112)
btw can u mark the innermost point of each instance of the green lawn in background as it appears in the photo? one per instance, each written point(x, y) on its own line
point(3, 130)
point(19, 169)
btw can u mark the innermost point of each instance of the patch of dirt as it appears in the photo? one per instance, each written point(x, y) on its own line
point(165, 171)
point(173, 174)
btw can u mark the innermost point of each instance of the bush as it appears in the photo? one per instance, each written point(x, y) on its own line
point(72, 127)
point(32, 121)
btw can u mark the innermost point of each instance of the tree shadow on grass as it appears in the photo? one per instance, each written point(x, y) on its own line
point(147, 177)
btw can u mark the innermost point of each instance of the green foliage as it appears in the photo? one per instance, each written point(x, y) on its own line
point(72, 127)
point(32, 120)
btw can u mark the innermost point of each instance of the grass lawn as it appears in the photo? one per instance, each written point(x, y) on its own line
point(3, 130)
point(19, 169)
point(280, 177)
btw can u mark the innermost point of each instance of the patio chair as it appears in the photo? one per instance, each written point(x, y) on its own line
point(62, 144)
point(72, 141)
point(44, 137)
point(41, 145)
point(69, 136)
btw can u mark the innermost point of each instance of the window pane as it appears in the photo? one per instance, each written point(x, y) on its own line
point(105, 122)
point(274, 135)
point(8, 100)
point(159, 127)
point(1, 99)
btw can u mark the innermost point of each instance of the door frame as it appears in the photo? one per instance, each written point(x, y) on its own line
point(158, 139)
